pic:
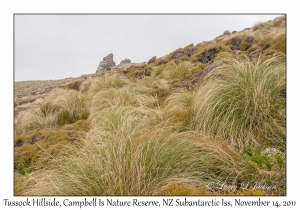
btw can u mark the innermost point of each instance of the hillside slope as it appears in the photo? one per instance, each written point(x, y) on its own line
point(210, 113)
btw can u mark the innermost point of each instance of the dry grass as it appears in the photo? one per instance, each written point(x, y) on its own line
point(136, 160)
point(141, 129)
point(242, 102)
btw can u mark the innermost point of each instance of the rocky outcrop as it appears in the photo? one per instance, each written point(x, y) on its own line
point(106, 63)
point(125, 61)
point(254, 54)
point(177, 55)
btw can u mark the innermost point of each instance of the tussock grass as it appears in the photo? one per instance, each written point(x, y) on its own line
point(202, 114)
point(181, 72)
point(133, 160)
point(242, 102)
point(177, 109)
point(36, 119)
point(70, 101)
point(60, 107)
point(119, 97)
point(107, 81)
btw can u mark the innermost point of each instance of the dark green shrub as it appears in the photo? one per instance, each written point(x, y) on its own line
point(210, 52)
point(246, 43)
point(25, 157)
point(75, 85)
point(226, 32)
point(139, 73)
point(85, 115)
point(184, 58)
point(152, 59)
point(161, 61)
point(234, 43)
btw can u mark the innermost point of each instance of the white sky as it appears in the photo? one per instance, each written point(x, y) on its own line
point(61, 46)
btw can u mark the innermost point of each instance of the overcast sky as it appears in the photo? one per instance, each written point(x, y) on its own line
point(61, 46)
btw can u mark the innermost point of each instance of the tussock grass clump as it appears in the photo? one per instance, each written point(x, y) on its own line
point(280, 43)
point(226, 32)
point(136, 160)
point(60, 107)
point(71, 104)
point(37, 118)
point(177, 109)
point(121, 97)
point(242, 102)
point(105, 82)
point(180, 73)
point(75, 85)
point(157, 71)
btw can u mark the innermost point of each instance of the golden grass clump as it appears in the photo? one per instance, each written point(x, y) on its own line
point(35, 119)
point(180, 73)
point(60, 107)
point(135, 159)
point(106, 82)
point(177, 109)
point(243, 103)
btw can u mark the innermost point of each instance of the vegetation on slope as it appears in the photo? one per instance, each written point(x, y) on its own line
point(177, 125)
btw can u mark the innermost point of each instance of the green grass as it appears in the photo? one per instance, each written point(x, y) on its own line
point(181, 72)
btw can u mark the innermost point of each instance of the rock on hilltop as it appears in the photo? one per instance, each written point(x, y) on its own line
point(107, 62)
point(125, 61)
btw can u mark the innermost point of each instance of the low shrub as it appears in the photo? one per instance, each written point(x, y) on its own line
point(181, 72)
point(226, 32)
point(157, 71)
point(246, 43)
point(234, 43)
point(210, 52)
point(75, 85)
point(137, 73)
point(152, 60)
